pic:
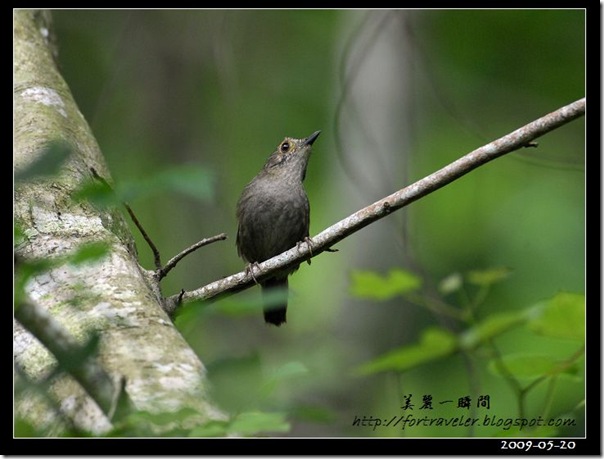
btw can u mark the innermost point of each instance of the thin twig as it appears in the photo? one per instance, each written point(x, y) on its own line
point(156, 256)
point(162, 272)
point(152, 246)
point(326, 239)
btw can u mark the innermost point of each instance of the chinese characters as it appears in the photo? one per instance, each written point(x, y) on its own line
point(427, 403)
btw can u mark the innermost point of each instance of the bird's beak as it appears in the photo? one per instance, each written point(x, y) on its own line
point(310, 139)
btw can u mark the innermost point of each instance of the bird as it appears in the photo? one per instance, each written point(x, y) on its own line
point(273, 215)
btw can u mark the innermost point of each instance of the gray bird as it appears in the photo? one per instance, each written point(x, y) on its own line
point(274, 214)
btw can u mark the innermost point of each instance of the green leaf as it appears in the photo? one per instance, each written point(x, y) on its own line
point(96, 192)
point(533, 366)
point(145, 423)
point(253, 422)
point(450, 284)
point(487, 277)
point(489, 328)
point(164, 418)
point(24, 271)
point(48, 163)
point(563, 316)
point(314, 414)
point(22, 428)
point(290, 371)
point(193, 181)
point(435, 343)
point(89, 253)
point(189, 180)
point(76, 358)
point(210, 429)
point(18, 235)
point(371, 285)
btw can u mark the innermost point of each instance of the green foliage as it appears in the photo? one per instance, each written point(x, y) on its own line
point(312, 413)
point(284, 374)
point(237, 306)
point(47, 163)
point(75, 360)
point(435, 343)
point(492, 326)
point(233, 306)
point(88, 253)
point(488, 277)
point(187, 422)
point(97, 192)
point(250, 423)
point(254, 422)
point(560, 317)
point(22, 428)
point(229, 105)
point(528, 366)
point(263, 382)
point(193, 181)
point(145, 423)
point(367, 284)
point(450, 284)
point(26, 269)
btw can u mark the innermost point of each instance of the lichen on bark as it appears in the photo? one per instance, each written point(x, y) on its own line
point(112, 297)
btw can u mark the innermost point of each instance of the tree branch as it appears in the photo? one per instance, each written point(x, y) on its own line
point(152, 246)
point(522, 137)
point(163, 272)
point(78, 361)
point(160, 271)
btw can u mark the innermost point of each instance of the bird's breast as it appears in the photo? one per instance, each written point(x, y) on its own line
point(271, 220)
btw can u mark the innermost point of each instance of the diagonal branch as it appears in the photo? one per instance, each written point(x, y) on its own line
point(522, 137)
point(75, 359)
point(163, 272)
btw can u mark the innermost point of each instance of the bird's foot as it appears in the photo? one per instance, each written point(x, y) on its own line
point(249, 269)
point(308, 241)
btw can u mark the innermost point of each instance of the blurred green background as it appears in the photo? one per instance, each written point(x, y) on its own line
point(397, 95)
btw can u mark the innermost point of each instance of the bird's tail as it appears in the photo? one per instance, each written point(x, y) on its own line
point(275, 313)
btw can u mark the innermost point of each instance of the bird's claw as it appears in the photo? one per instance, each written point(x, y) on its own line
point(249, 269)
point(309, 243)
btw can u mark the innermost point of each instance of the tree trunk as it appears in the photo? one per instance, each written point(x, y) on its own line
point(113, 297)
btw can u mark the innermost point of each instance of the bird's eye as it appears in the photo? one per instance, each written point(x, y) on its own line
point(285, 147)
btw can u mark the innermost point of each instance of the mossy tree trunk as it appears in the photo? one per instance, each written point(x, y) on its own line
point(113, 297)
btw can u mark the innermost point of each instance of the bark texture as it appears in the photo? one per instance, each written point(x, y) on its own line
point(113, 297)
